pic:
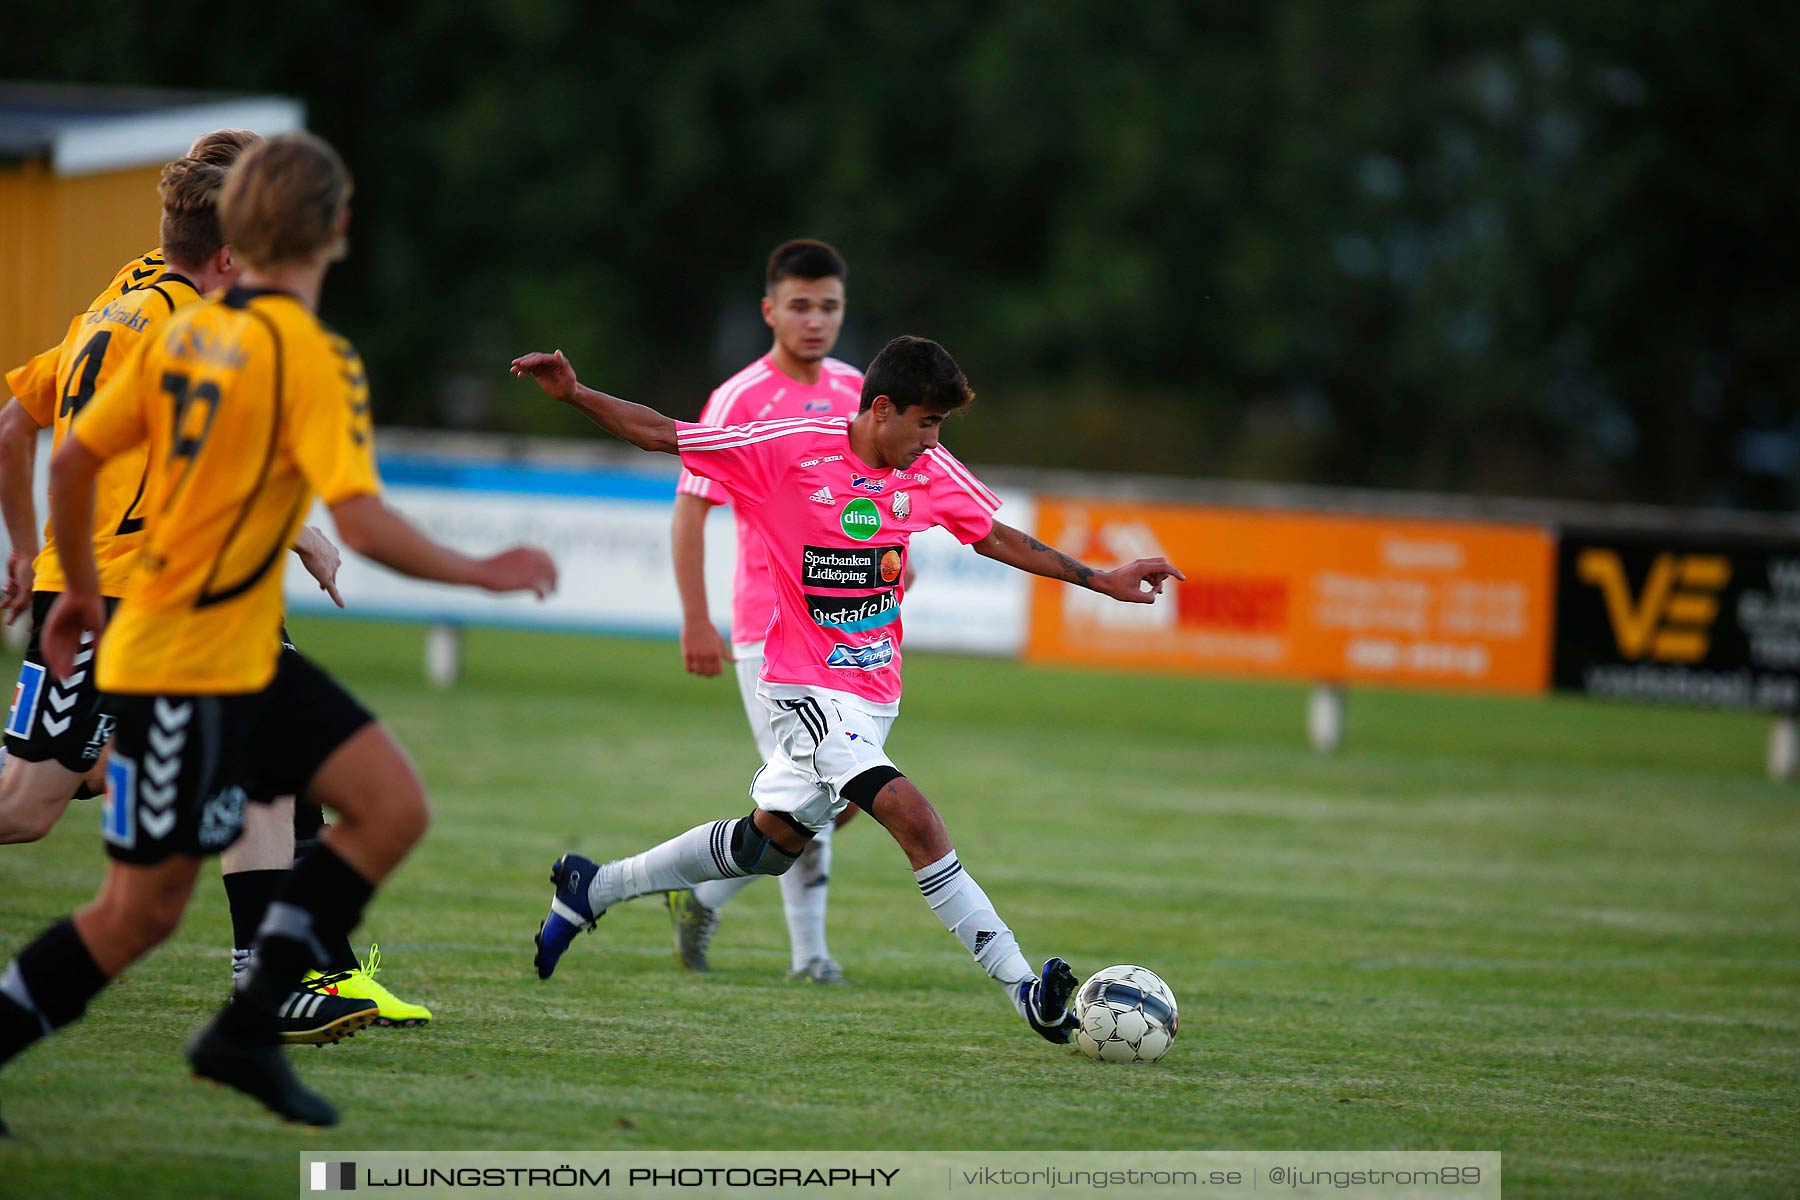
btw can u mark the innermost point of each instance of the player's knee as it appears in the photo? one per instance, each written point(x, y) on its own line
point(30, 803)
point(408, 814)
point(754, 852)
point(143, 921)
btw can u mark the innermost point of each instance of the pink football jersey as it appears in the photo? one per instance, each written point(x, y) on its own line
point(762, 392)
point(837, 533)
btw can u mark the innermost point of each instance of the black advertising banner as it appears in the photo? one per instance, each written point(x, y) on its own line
point(1679, 619)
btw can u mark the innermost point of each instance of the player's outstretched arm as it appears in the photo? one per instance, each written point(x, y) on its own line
point(79, 609)
point(18, 456)
point(374, 530)
point(1128, 583)
point(643, 427)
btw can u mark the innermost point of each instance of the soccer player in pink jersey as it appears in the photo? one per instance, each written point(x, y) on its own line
point(836, 502)
point(804, 304)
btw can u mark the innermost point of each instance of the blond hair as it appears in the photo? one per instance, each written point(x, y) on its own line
point(222, 147)
point(284, 201)
point(190, 218)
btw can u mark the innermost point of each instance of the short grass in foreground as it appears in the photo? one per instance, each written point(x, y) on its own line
point(1567, 931)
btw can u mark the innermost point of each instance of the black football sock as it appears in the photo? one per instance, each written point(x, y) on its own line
point(322, 902)
point(248, 893)
point(46, 987)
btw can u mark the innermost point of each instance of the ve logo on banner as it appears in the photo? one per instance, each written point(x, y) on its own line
point(1669, 619)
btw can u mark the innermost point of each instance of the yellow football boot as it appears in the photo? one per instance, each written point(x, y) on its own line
point(360, 984)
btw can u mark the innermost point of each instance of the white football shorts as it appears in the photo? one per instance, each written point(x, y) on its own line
point(823, 740)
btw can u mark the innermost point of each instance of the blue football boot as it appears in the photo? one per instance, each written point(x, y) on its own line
point(569, 912)
point(1045, 1001)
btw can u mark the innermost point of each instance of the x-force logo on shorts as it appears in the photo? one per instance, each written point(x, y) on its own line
point(872, 657)
point(1669, 620)
point(860, 519)
point(854, 612)
point(860, 569)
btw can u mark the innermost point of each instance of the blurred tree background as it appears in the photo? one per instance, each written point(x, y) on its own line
point(1499, 246)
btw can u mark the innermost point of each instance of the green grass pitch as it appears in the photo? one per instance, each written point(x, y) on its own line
point(1566, 931)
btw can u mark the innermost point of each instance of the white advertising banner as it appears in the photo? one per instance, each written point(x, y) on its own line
point(608, 529)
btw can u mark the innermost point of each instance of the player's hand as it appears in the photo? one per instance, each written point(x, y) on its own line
point(1140, 582)
point(70, 617)
point(520, 569)
point(703, 651)
point(21, 577)
point(553, 373)
point(321, 560)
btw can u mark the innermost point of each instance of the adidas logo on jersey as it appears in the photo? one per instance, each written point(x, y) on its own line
point(822, 496)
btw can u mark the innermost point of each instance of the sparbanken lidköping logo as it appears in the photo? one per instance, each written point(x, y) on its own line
point(1669, 620)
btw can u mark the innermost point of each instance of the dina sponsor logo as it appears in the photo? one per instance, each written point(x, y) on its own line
point(1670, 619)
point(872, 657)
point(860, 519)
point(849, 568)
point(854, 613)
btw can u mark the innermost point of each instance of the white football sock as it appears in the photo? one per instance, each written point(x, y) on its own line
point(684, 861)
point(803, 897)
point(966, 911)
point(717, 893)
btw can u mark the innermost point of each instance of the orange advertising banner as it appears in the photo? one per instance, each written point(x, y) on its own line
point(1345, 599)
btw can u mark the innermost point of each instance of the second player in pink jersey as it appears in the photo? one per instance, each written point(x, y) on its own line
point(837, 502)
point(803, 304)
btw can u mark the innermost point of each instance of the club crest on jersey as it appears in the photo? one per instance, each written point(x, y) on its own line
point(860, 519)
point(872, 657)
point(823, 496)
point(902, 505)
point(872, 486)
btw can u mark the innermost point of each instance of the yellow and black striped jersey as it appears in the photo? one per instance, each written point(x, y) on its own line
point(249, 406)
point(137, 273)
point(97, 346)
point(34, 383)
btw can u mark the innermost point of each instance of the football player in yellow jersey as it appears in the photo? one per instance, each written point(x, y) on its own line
point(56, 730)
point(250, 407)
point(36, 381)
point(32, 799)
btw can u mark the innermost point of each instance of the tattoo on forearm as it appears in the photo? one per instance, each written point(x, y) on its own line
point(1073, 571)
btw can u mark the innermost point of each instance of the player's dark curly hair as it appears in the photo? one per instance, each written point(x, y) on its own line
point(916, 370)
point(804, 258)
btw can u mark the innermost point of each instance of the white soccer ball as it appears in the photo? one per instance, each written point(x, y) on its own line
point(1125, 1014)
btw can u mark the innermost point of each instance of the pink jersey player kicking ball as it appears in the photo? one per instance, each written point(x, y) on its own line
point(803, 306)
point(836, 502)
